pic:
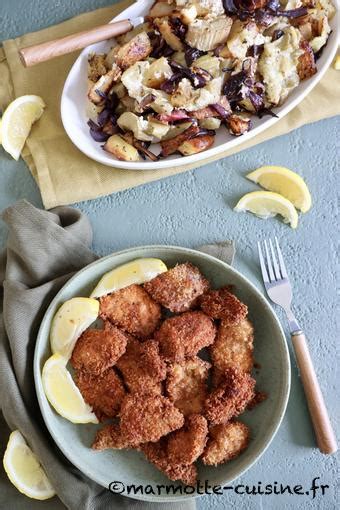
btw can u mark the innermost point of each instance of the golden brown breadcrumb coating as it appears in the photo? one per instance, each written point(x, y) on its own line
point(98, 349)
point(147, 417)
point(226, 441)
point(142, 367)
point(222, 304)
point(184, 335)
point(233, 347)
point(231, 397)
point(110, 436)
point(187, 444)
point(186, 384)
point(178, 288)
point(103, 392)
point(156, 453)
point(131, 309)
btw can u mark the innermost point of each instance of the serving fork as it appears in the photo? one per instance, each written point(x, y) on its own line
point(279, 289)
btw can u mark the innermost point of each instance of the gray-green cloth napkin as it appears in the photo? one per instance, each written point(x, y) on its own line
point(44, 249)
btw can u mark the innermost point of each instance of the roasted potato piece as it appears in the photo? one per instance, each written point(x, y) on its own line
point(160, 9)
point(125, 38)
point(122, 150)
point(172, 145)
point(103, 85)
point(165, 30)
point(238, 125)
point(306, 66)
point(137, 49)
point(158, 72)
point(96, 66)
point(210, 64)
point(176, 129)
point(157, 129)
point(195, 145)
point(129, 121)
point(210, 123)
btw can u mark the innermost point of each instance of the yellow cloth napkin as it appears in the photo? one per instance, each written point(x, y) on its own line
point(63, 174)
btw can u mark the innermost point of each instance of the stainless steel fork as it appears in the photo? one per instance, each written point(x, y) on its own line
point(279, 290)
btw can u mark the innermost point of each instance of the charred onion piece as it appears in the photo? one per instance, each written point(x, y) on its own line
point(174, 116)
point(140, 146)
point(171, 146)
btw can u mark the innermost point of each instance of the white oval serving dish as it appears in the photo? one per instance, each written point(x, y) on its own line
point(73, 103)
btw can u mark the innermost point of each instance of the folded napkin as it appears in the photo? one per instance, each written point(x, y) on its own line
point(65, 175)
point(44, 249)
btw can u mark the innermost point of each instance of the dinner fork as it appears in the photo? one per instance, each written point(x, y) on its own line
point(279, 289)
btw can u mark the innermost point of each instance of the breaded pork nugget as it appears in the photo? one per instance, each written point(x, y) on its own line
point(186, 384)
point(226, 441)
point(110, 436)
point(231, 397)
point(187, 444)
point(178, 288)
point(103, 392)
point(147, 417)
point(222, 304)
point(142, 367)
point(131, 309)
point(233, 346)
point(156, 453)
point(184, 335)
point(98, 349)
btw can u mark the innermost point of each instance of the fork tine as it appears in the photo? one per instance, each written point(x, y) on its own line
point(282, 264)
point(274, 259)
point(263, 265)
point(269, 263)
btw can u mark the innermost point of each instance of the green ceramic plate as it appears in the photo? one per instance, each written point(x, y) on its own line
point(130, 467)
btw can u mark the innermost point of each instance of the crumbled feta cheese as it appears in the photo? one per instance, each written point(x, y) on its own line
point(194, 99)
point(278, 65)
point(133, 78)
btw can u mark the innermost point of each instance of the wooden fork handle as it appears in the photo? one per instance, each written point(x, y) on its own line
point(51, 49)
point(322, 426)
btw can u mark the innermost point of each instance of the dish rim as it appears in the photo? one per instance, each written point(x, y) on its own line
point(213, 152)
point(286, 383)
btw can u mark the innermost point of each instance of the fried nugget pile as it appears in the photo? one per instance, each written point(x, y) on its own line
point(142, 371)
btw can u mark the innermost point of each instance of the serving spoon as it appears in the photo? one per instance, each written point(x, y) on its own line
point(36, 54)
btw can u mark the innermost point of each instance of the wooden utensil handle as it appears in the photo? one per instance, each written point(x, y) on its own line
point(51, 49)
point(322, 426)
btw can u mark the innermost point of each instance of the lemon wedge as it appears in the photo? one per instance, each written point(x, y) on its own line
point(24, 469)
point(266, 204)
point(138, 271)
point(72, 318)
point(63, 394)
point(17, 121)
point(283, 181)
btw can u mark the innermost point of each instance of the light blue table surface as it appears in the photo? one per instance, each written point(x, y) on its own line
point(195, 208)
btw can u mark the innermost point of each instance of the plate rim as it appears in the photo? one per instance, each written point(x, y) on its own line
point(215, 151)
point(286, 383)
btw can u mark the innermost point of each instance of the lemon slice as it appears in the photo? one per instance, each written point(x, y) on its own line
point(283, 181)
point(17, 121)
point(138, 271)
point(72, 318)
point(63, 394)
point(24, 469)
point(266, 204)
